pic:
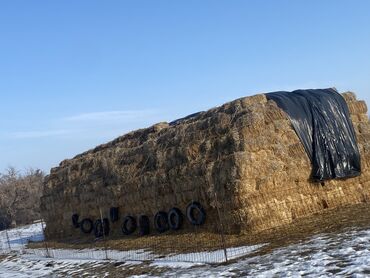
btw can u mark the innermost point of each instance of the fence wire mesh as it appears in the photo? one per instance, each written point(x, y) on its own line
point(193, 244)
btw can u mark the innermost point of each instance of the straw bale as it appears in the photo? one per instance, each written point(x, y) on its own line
point(243, 157)
point(247, 102)
point(363, 118)
point(357, 107)
point(363, 128)
point(349, 96)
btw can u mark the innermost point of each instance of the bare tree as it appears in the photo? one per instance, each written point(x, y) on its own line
point(20, 195)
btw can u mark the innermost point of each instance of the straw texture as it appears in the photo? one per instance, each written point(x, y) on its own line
point(243, 157)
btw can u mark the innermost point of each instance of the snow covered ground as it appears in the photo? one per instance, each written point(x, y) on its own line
point(23, 262)
point(328, 255)
point(345, 254)
point(16, 239)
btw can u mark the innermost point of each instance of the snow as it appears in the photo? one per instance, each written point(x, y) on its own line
point(20, 267)
point(141, 255)
point(19, 237)
point(24, 262)
point(325, 255)
point(328, 255)
point(217, 256)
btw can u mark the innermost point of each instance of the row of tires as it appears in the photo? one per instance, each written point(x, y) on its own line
point(162, 222)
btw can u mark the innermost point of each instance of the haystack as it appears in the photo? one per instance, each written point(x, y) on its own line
point(243, 158)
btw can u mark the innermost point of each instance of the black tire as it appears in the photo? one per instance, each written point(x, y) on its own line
point(75, 220)
point(86, 225)
point(106, 226)
point(161, 222)
point(144, 225)
point(98, 229)
point(129, 225)
point(175, 219)
point(101, 229)
point(114, 216)
point(201, 214)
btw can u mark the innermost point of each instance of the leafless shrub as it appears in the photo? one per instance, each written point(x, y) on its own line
point(20, 196)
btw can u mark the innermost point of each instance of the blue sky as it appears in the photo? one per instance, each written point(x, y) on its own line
point(74, 74)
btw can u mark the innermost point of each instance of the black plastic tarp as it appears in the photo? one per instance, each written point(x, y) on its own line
point(322, 121)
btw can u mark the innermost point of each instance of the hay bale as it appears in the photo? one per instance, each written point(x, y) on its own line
point(357, 107)
point(243, 157)
point(349, 96)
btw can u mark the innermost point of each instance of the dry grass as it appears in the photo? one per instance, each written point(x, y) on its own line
point(329, 221)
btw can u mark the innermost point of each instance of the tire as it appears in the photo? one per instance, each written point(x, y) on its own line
point(101, 229)
point(144, 225)
point(190, 214)
point(75, 220)
point(129, 225)
point(175, 219)
point(98, 229)
point(114, 216)
point(161, 222)
point(106, 226)
point(86, 226)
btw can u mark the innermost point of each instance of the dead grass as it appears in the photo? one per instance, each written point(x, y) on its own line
point(329, 221)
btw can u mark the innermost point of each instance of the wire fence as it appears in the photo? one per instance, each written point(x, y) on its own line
point(193, 243)
point(15, 241)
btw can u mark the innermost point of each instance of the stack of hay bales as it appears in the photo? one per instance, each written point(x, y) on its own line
point(243, 157)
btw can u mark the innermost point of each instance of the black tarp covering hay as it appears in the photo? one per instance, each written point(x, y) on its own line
point(322, 121)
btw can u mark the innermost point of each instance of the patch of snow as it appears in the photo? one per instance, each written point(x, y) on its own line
point(20, 267)
point(217, 256)
point(91, 254)
point(326, 255)
point(19, 237)
point(141, 255)
point(329, 255)
point(173, 264)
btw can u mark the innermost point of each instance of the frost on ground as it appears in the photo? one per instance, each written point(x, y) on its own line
point(325, 255)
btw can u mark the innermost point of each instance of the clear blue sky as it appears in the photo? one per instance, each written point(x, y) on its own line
point(74, 74)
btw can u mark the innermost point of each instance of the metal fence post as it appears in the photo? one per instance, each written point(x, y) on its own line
point(45, 242)
point(223, 240)
point(105, 244)
point(7, 239)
